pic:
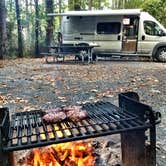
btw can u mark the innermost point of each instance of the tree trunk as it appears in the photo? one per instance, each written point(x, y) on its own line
point(36, 28)
point(60, 11)
point(10, 28)
point(3, 34)
point(90, 5)
point(99, 4)
point(27, 37)
point(19, 29)
point(50, 23)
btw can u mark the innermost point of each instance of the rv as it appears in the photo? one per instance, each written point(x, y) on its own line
point(126, 32)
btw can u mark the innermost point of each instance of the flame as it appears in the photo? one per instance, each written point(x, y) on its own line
point(65, 154)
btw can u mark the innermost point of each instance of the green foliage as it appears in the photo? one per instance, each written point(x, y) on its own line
point(126, 4)
point(157, 8)
point(131, 4)
point(88, 4)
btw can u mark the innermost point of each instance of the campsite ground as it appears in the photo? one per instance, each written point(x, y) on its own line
point(27, 84)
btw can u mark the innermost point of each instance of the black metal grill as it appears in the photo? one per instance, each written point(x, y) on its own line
point(28, 130)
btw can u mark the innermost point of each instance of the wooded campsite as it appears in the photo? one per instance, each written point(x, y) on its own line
point(106, 111)
point(25, 27)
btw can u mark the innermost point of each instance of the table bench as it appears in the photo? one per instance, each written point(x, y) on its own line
point(81, 51)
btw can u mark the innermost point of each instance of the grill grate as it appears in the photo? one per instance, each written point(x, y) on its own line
point(27, 129)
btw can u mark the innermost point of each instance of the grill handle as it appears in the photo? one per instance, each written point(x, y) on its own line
point(153, 116)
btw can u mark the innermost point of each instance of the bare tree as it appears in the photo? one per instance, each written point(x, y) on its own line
point(60, 11)
point(27, 16)
point(50, 23)
point(19, 29)
point(3, 34)
point(90, 5)
point(36, 28)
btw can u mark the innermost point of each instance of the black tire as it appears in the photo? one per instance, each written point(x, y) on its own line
point(161, 54)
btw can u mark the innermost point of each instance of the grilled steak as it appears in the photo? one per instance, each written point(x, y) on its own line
point(54, 116)
point(77, 115)
point(54, 110)
point(71, 108)
point(74, 113)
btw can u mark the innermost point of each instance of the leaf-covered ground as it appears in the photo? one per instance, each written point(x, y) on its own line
point(27, 84)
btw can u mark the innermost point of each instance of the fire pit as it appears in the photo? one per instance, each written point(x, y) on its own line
point(67, 154)
point(28, 130)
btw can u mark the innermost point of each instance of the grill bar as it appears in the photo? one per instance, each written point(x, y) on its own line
point(28, 130)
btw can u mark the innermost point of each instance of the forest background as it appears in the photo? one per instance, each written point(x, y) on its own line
point(25, 28)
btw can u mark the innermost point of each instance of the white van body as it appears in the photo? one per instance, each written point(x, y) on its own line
point(130, 32)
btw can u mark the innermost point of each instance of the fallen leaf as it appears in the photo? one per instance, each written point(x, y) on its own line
point(94, 90)
point(61, 98)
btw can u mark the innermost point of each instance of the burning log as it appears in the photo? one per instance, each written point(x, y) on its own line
point(69, 162)
point(60, 156)
point(65, 154)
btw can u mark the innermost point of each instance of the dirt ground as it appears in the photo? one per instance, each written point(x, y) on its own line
point(27, 84)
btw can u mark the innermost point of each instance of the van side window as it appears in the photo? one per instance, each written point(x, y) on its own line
point(108, 27)
point(153, 29)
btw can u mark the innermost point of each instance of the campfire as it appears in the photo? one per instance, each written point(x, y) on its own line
point(29, 130)
point(64, 154)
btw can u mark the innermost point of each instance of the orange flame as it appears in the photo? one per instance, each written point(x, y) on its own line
point(64, 154)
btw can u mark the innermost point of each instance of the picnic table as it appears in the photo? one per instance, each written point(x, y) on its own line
point(79, 51)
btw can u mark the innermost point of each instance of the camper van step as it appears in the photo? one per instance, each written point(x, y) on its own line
point(118, 54)
point(56, 54)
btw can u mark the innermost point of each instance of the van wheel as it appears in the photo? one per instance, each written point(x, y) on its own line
point(161, 54)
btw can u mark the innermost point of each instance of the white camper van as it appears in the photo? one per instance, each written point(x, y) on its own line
point(129, 32)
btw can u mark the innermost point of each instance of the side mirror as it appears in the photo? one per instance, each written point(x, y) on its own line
point(143, 37)
point(161, 33)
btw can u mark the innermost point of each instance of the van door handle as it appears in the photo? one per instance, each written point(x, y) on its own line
point(118, 37)
point(143, 37)
point(78, 38)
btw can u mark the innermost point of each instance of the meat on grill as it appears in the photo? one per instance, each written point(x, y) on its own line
point(77, 115)
point(74, 113)
point(71, 108)
point(54, 110)
point(54, 116)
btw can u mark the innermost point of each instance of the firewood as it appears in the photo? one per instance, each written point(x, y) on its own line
point(69, 162)
point(54, 154)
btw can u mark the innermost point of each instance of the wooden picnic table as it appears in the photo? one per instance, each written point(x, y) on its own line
point(60, 51)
